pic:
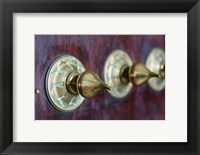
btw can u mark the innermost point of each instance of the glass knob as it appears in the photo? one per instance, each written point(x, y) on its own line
point(67, 83)
point(120, 72)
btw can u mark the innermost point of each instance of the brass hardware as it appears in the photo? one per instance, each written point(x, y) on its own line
point(120, 66)
point(67, 83)
point(162, 71)
point(137, 74)
point(87, 84)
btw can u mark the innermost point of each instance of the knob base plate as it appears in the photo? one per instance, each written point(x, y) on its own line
point(55, 83)
point(155, 58)
point(114, 62)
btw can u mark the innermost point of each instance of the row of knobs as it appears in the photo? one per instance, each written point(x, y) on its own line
point(68, 84)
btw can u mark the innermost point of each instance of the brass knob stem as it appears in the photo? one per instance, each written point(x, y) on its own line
point(138, 74)
point(87, 84)
point(124, 74)
point(162, 70)
point(71, 83)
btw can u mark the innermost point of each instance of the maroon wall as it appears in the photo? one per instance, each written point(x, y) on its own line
point(142, 103)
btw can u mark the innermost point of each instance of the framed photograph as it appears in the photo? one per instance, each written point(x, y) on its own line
point(106, 77)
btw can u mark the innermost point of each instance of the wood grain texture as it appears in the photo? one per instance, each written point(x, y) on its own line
point(142, 103)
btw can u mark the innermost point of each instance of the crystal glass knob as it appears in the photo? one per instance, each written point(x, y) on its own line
point(120, 72)
point(67, 83)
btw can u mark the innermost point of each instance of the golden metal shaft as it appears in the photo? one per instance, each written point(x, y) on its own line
point(87, 84)
point(138, 74)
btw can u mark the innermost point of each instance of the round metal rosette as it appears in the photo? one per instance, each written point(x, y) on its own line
point(55, 83)
point(154, 60)
point(114, 62)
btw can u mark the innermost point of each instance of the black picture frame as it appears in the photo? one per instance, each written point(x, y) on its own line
point(8, 7)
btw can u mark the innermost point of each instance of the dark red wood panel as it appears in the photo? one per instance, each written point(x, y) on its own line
point(142, 103)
